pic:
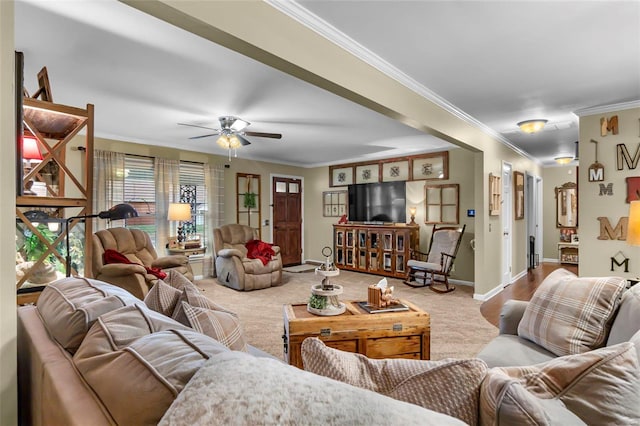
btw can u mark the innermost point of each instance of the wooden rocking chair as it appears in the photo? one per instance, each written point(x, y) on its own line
point(425, 267)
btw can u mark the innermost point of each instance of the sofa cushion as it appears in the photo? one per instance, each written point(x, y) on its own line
point(627, 321)
point(449, 386)
point(137, 361)
point(571, 315)
point(192, 296)
point(506, 350)
point(163, 298)
point(275, 393)
point(600, 387)
point(222, 326)
point(70, 306)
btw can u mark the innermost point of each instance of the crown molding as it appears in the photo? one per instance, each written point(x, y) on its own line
point(299, 13)
point(603, 109)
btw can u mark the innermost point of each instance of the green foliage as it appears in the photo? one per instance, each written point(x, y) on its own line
point(34, 247)
point(250, 200)
point(318, 302)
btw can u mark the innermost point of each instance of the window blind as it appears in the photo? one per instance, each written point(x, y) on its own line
point(139, 191)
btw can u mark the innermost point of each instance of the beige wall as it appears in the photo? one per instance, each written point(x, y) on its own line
point(553, 177)
point(595, 255)
point(317, 229)
point(8, 372)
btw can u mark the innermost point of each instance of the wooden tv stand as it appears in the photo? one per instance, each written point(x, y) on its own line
point(375, 249)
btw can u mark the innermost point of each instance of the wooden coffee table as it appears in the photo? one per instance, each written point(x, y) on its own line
point(383, 335)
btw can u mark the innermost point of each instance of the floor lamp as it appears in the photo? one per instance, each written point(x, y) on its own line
point(117, 212)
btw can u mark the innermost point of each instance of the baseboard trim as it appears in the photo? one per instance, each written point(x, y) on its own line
point(488, 295)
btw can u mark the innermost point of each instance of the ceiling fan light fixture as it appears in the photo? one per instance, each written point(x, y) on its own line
point(223, 142)
point(532, 126)
point(565, 159)
point(234, 142)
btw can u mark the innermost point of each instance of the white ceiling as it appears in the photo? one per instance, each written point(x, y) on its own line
point(497, 63)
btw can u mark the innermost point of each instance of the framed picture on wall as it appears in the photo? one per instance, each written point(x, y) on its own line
point(430, 166)
point(395, 171)
point(367, 173)
point(340, 175)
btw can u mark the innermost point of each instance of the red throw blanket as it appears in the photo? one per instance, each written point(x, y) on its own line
point(113, 256)
point(257, 249)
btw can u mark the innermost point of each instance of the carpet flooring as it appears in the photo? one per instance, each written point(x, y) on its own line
point(458, 330)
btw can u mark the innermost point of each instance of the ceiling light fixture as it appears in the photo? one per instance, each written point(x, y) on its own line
point(563, 160)
point(532, 126)
point(229, 141)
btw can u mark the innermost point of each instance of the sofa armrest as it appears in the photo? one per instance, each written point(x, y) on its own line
point(170, 261)
point(230, 253)
point(121, 269)
point(510, 316)
point(276, 249)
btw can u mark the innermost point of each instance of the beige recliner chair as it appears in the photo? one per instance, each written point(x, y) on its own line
point(136, 246)
point(234, 269)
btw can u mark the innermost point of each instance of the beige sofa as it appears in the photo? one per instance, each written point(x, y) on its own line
point(542, 352)
point(92, 354)
point(234, 269)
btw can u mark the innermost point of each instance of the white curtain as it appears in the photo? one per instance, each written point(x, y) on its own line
point(167, 179)
point(214, 179)
point(108, 183)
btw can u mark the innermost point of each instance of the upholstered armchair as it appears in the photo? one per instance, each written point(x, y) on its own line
point(136, 247)
point(234, 269)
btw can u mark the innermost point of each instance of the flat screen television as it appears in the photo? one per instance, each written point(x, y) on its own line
point(378, 202)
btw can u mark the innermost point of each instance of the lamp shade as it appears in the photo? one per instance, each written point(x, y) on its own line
point(412, 210)
point(633, 229)
point(179, 211)
point(30, 150)
point(118, 212)
point(532, 126)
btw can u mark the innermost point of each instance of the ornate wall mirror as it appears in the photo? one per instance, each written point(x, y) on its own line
point(567, 205)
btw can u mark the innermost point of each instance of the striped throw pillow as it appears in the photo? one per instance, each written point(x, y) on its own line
point(571, 315)
point(450, 386)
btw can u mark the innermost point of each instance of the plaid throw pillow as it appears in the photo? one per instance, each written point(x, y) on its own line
point(162, 298)
point(601, 387)
point(223, 327)
point(193, 297)
point(449, 386)
point(571, 315)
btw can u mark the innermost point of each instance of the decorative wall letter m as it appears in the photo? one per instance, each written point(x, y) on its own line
point(622, 154)
point(610, 125)
point(606, 190)
point(609, 233)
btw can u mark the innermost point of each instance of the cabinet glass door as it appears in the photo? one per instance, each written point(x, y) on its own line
point(362, 238)
point(349, 235)
point(373, 261)
point(388, 241)
point(400, 263)
point(339, 238)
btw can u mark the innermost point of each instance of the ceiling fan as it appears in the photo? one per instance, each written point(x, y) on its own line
point(232, 132)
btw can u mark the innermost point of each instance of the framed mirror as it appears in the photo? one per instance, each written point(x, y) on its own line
point(567, 205)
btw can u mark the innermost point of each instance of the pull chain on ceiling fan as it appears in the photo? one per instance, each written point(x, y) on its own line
point(231, 133)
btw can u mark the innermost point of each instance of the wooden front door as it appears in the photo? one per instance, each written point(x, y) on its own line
point(287, 219)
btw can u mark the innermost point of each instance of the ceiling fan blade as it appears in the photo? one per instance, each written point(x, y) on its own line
point(243, 141)
point(195, 125)
point(204, 136)
point(264, 135)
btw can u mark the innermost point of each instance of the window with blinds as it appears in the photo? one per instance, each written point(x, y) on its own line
point(139, 191)
point(193, 191)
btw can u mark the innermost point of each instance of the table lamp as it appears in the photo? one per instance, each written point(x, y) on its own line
point(179, 212)
point(412, 212)
point(117, 212)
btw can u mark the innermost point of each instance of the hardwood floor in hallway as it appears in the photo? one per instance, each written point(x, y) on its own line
point(521, 289)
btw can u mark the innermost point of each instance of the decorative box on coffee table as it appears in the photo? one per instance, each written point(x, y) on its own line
point(403, 334)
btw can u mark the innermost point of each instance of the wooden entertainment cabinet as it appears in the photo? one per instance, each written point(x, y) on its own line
point(375, 249)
